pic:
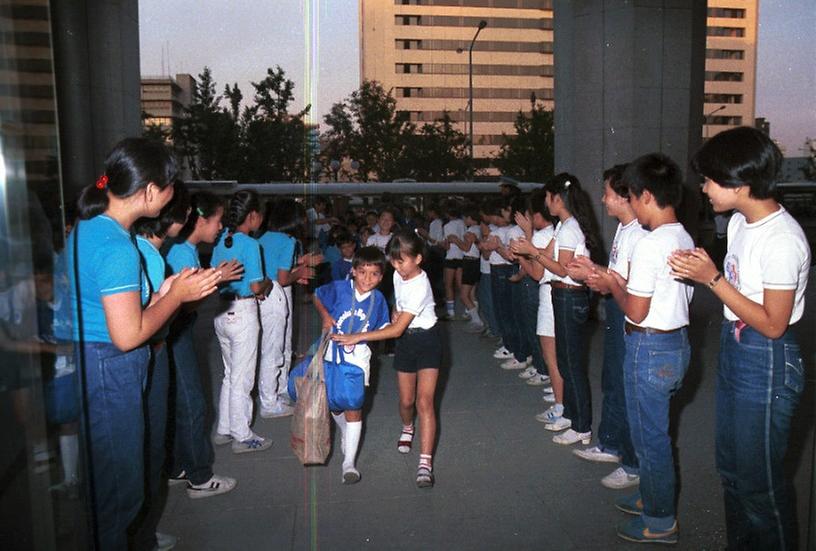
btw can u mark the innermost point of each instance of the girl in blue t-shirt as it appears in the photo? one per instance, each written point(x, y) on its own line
point(282, 268)
point(237, 325)
point(113, 318)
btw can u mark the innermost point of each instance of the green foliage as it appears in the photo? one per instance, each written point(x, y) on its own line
point(262, 143)
point(367, 128)
point(809, 170)
point(528, 155)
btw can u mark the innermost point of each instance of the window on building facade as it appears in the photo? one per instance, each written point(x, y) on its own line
point(486, 46)
point(722, 98)
point(723, 76)
point(733, 32)
point(409, 92)
point(713, 53)
point(724, 120)
point(408, 19)
point(511, 4)
point(731, 13)
point(408, 44)
point(409, 68)
point(492, 22)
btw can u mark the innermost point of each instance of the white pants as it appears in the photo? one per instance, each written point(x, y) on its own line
point(237, 328)
point(273, 377)
point(287, 340)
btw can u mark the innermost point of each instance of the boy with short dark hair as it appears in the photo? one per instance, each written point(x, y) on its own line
point(353, 307)
point(656, 337)
point(341, 268)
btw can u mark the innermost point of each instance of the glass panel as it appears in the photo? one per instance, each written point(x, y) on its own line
point(39, 458)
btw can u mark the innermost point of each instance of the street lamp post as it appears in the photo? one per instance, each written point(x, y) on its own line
point(482, 25)
point(705, 122)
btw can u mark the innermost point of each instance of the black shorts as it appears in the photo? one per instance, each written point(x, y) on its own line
point(470, 271)
point(453, 263)
point(418, 349)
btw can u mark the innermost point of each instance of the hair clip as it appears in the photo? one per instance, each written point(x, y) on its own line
point(567, 184)
point(102, 182)
point(200, 212)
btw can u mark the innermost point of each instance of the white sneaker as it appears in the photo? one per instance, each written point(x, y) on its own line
point(165, 542)
point(281, 409)
point(513, 363)
point(538, 380)
point(620, 479)
point(216, 485)
point(527, 373)
point(551, 415)
point(548, 397)
point(254, 443)
point(572, 437)
point(502, 354)
point(596, 453)
point(562, 423)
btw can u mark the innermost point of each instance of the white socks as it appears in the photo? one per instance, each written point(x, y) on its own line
point(350, 432)
point(69, 453)
point(353, 431)
point(450, 307)
point(474, 316)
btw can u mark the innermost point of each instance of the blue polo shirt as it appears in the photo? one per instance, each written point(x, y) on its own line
point(245, 250)
point(278, 253)
point(107, 264)
point(153, 263)
point(183, 255)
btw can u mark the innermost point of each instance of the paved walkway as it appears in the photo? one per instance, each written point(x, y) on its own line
point(501, 482)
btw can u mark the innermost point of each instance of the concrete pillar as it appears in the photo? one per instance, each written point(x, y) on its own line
point(96, 58)
point(628, 81)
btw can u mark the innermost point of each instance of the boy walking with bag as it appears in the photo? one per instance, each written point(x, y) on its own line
point(353, 307)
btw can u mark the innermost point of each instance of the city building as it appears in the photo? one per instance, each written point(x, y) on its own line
point(418, 49)
point(164, 98)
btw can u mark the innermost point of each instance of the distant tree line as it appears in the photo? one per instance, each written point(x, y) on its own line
point(218, 139)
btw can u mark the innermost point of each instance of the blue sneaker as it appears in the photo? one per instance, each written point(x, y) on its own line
point(631, 504)
point(636, 530)
point(253, 444)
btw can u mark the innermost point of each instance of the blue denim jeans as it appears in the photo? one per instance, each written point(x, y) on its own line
point(529, 319)
point(503, 304)
point(571, 310)
point(156, 394)
point(653, 371)
point(613, 431)
point(485, 294)
point(113, 422)
point(518, 309)
point(759, 383)
point(192, 449)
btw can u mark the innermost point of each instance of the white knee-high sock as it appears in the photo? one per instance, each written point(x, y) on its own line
point(474, 316)
point(69, 453)
point(340, 420)
point(353, 431)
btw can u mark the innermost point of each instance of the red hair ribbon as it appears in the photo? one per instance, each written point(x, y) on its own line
point(102, 182)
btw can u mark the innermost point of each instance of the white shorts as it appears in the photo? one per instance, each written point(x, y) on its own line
point(546, 319)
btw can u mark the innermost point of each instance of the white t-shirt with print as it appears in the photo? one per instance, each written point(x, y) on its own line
point(622, 246)
point(771, 253)
point(378, 240)
point(568, 237)
point(541, 238)
point(473, 251)
point(415, 296)
point(454, 227)
point(650, 277)
point(495, 258)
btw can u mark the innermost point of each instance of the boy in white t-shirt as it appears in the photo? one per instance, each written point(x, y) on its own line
point(760, 376)
point(614, 441)
point(657, 347)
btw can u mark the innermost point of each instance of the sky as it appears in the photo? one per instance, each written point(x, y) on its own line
point(240, 39)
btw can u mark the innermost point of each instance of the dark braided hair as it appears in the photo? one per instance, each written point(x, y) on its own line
point(577, 202)
point(241, 204)
point(202, 205)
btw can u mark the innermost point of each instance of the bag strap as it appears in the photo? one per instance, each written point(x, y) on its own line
point(315, 369)
point(337, 352)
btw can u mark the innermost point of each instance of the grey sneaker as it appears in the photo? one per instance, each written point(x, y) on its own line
point(216, 485)
point(620, 479)
point(280, 410)
point(222, 439)
point(254, 443)
point(165, 542)
point(596, 453)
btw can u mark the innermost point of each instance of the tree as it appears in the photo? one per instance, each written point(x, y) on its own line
point(437, 152)
point(528, 155)
point(809, 170)
point(366, 127)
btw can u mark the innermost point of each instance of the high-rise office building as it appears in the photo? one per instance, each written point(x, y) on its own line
point(730, 73)
point(418, 49)
point(164, 98)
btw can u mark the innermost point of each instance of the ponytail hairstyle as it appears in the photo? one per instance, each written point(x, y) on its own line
point(202, 205)
point(241, 204)
point(174, 212)
point(405, 242)
point(130, 167)
point(577, 202)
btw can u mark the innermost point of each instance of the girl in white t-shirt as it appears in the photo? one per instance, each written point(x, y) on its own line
point(453, 231)
point(760, 376)
point(470, 266)
point(575, 234)
point(418, 353)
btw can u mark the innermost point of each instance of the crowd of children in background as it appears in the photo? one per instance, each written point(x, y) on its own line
point(522, 269)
